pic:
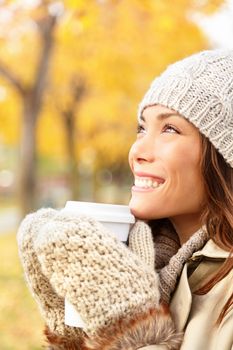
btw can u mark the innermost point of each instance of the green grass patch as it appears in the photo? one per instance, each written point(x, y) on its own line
point(21, 326)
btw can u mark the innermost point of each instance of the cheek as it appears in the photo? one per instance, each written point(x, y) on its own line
point(188, 156)
point(189, 167)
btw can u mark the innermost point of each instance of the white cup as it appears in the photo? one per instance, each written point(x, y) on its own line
point(116, 218)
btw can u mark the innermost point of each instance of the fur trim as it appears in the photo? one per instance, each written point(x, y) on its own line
point(152, 328)
point(58, 342)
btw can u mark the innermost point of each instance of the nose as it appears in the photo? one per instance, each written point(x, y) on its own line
point(142, 150)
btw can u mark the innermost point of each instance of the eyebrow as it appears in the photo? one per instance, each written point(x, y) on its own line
point(162, 116)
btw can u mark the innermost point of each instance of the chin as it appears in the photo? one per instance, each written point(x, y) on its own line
point(141, 212)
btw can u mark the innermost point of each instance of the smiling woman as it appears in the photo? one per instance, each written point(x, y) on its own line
point(174, 279)
point(185, 139)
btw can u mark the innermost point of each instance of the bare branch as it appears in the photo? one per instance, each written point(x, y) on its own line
point(12, 79)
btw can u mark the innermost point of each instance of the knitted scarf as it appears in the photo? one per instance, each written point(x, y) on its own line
point(170, 273)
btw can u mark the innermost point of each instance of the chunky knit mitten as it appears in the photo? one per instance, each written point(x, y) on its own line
point(50, 304)
point(141, 243)
point(115, 293)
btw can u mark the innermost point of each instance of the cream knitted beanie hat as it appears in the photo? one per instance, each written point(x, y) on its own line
point(200, 88)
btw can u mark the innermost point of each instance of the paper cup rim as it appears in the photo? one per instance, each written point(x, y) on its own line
point(103, 212)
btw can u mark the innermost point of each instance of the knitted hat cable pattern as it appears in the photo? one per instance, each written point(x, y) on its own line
point(200, 88)
point(98, 274)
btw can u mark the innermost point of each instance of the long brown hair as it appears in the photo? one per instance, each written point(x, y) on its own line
point(218, 215)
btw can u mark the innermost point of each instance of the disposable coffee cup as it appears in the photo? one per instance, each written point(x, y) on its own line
point(116, 218)
point(72, 317)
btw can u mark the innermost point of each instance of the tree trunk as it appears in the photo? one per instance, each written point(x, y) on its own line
point(27, 171)
point(72, 163)
point(32, 104)
point(78, 90)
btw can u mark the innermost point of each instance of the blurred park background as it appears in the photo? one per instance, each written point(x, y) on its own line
point(71, 76)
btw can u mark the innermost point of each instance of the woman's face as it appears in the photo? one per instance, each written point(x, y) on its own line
point(165, 161)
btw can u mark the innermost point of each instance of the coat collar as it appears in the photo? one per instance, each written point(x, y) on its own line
point(211, 250)
point(182, 299)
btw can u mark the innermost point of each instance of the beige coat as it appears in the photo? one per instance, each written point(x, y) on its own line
point(196, 315)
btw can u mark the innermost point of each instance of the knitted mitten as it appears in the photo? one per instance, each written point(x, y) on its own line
point(115, 293)
point(50, 304)
point(141, 243)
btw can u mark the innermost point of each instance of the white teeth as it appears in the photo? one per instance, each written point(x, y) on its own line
point(146, 183)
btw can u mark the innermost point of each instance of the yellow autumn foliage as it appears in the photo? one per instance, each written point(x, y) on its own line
point(117, 47)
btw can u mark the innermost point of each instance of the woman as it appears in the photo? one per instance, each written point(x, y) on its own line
point(181, 247)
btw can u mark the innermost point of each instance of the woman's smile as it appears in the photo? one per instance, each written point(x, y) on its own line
point(144, 182)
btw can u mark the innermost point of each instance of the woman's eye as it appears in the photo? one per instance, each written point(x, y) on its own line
point(140, 129)
point(170, 129)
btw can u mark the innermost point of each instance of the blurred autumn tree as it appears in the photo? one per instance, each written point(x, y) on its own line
point(74, 72)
